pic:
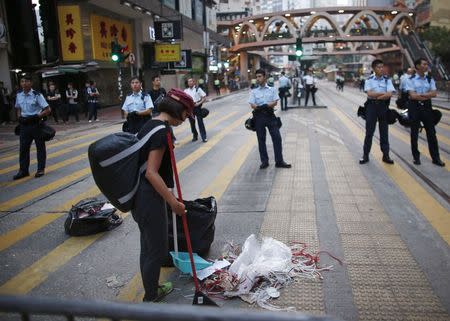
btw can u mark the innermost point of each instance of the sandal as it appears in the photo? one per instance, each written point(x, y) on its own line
point(163, 290)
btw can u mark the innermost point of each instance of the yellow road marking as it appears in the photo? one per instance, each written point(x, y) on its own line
point(31, 226)
point(50, 156)
point(431, 209)
point(15, 155)
point(48, 169)
point(39, 271)
point(10, 204)
point(133, 291)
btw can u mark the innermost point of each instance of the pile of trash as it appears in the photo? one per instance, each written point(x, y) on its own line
point(258, 272)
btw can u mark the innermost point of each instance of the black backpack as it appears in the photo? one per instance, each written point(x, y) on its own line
point(87, 217)
point(116, 167)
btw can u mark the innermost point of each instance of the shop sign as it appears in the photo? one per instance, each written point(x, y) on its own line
point(167, 52)
point(105, 30)
point(70, 35)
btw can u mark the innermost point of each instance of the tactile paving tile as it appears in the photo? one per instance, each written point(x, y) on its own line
point(418, 300)
point(396, 257)
point(343, 199)
point(376, 304)
point(345, 208)
point(305, 295)
point(366, 256)
point(375, 228)
point(406, 276)
point(427, 317)
point(368, 275)
point(357, 241)
point(373, 216)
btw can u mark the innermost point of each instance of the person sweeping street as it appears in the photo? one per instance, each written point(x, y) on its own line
point(150, 211)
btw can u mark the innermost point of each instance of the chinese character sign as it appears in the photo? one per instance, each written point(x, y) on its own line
point(167, 53)
point(104, 30)
point(70, 34)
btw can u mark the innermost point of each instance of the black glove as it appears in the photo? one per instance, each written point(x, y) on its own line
point(132, 115)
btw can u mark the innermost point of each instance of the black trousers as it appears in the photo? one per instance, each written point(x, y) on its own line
point(201, 125)
point(28, 133)
point(150, 213)
point(262, 121)
point(417, 114)
point(376, 111)
point(72, 109)
point(313, 95)
point(93, 110)
point(282, 92)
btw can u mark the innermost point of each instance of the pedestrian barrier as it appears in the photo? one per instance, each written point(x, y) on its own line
point(27, 306)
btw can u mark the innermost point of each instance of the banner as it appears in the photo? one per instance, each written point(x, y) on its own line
point(70, 34)
point(167, 53)
point(168, 30)
point(103, 31)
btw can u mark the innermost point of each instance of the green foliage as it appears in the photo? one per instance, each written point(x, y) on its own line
point(439, 39)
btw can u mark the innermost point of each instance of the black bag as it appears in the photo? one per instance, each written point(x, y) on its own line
point(46, 132)
point(201, 215)
point(279, 123)
point(204, 112)
point(250, 124)
point(86, 218)
point(314, 89)
point(115, 166)
point(402, 100)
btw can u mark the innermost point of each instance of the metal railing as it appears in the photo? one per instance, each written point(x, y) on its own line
point(29, 306)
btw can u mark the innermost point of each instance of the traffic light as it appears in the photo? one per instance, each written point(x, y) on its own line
point(299, 47)
point(118, 52)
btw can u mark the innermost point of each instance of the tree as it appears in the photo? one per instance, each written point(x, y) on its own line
point(438, 38)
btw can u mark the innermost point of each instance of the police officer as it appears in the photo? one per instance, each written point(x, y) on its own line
point(199, 97)
point(310, 87)
point(262, 100)
point(379, 90)
point(284, 84)
point(31, 107)
point(137, 107)
point(421, 89)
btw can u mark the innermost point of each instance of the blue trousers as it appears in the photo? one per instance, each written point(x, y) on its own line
point(261, 122)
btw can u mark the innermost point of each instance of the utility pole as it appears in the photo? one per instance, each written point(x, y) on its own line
point(206, 45)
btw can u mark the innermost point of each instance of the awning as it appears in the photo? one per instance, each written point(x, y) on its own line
point(68, 69)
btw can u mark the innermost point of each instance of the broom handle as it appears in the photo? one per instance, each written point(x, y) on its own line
point(184, 219)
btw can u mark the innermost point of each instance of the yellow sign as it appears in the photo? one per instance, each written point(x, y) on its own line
point(70, 33)
point(167, 53)
point(104, 30)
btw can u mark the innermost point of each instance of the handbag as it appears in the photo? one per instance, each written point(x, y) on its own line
point(314, 89)
point(250, 124)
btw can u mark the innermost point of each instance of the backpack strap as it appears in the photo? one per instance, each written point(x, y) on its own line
point(132, 149)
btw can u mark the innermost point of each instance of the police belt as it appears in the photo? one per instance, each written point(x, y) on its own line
point(377, 102)
point(29, 120)
point(264, 111)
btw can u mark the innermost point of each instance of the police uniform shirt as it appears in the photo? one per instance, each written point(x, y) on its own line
point(134, 102)
point(378, 85)
point(31, 103)
point(284, 82)
point(420, 85)
point(263, 95)
point(196, 93)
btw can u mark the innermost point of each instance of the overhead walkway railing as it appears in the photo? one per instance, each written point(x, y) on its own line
point(27, 306)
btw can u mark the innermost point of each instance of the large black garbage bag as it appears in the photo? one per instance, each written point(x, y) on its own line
point(86, 218)
point(201, 215)
point(115, 166)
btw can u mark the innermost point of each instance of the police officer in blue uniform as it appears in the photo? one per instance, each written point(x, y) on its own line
point(137, 107)
point(379, 91)
point(421, 89)
point(31, 107)
point(263, 100)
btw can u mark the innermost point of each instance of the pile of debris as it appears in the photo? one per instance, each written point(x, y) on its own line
point(258, 272)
